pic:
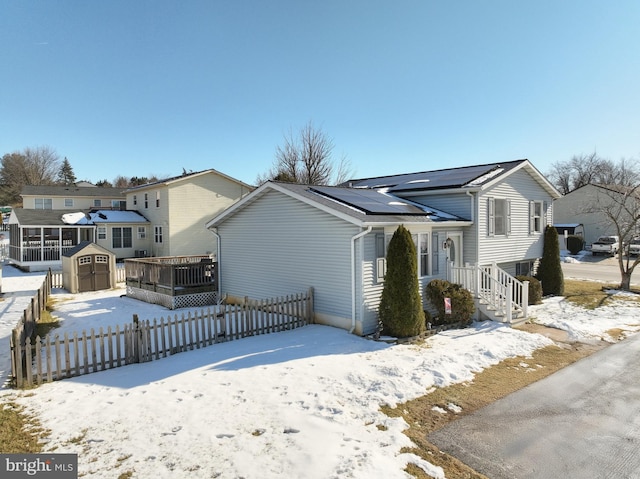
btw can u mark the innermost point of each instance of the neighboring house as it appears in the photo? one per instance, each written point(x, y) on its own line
point(285, 238)
point(179, 207)
point(39, 238)
point(165, 218)
point(586, 205)
point(72, 197)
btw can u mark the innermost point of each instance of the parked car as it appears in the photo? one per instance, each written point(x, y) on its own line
point(633, 248)
point(607, 245)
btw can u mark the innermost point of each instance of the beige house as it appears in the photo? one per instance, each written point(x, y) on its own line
point(77, 198)
point(588, 205)
point(178, 209)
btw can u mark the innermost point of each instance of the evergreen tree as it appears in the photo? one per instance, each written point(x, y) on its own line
point(400, 310)
point(550, 270)
point(66, 176)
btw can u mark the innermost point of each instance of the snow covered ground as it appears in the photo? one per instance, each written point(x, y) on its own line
point(297, 404)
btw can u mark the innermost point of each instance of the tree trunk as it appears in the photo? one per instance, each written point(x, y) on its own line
point(625, 285)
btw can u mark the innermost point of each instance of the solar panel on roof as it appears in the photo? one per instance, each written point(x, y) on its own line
point(370, 201)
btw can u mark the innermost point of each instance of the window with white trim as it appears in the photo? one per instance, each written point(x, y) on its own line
point(44, 204)
point(142, 232)
point(423, 254)
point(135, 200)
point(68, 202)
point(381, 258)
point(157, 234)
point(97, 203)
point(536, 216)
point(102, 232)
point(121, 237)
point(146, 200)
point(157, 199)
point(499, 217)
point(435, 254)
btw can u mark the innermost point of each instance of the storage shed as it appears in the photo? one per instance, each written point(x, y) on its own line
point(88, 267)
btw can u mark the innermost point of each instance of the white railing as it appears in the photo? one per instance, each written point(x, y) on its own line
point(498, 289)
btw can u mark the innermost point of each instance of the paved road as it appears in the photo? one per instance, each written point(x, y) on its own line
point(598, 268)
point(581, 422)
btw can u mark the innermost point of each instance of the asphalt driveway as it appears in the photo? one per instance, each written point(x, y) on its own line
point(581, 422)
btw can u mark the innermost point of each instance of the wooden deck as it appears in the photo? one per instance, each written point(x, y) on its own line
point(173, 275)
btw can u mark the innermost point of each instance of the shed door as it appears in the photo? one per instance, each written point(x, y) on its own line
point(85, 273)
point(102, 273)
point(93, 273)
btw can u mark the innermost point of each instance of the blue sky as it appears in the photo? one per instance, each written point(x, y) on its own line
point(140, 88)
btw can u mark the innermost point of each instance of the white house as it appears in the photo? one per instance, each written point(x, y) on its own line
point(284, 238)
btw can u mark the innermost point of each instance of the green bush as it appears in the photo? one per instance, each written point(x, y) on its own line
point(535, 289)
point(550, 270)
point(400, 308)
point(462, 305)
point(574, 244)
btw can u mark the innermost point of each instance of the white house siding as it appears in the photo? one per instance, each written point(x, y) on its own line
point(459, 204)
point(371, 289)
point(137, 243)
point(157, 216)
point(278, 246)
point(520, 188)
point(191, 204)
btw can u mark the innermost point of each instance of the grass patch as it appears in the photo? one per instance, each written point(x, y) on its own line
point(592, 295)
point(47, 322)
point(423, 416)
point(20, 433)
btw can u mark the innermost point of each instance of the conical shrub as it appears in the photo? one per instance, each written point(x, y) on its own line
point(550, 269)
point(400, 310)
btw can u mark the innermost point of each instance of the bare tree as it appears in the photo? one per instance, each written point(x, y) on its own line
point(619, 205)
point(583, 169)
point(32, 166)
point(307, 158)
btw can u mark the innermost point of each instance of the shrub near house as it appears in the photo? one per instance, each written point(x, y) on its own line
point(400, 310)
point(462, 305)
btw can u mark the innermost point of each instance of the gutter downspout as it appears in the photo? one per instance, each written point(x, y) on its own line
point(353, 275)
point(219, 292)
point(473, 221)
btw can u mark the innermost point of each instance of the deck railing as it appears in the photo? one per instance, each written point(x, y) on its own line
point(172, 274)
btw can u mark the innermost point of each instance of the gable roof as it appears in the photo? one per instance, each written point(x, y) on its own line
point(471, 178)
point(83, 245)
point(71, 191)
point(362, 208)
point(619, 189)
point(186, 176)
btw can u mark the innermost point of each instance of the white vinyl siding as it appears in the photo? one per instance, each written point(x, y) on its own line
point(279, 245)
point(458, 204)
point(519, 189)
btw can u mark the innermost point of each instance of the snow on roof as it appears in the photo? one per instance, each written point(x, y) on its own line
point(103, 216)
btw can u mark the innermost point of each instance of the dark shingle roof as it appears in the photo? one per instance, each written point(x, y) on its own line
point(466, 176)
point(72, 191)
